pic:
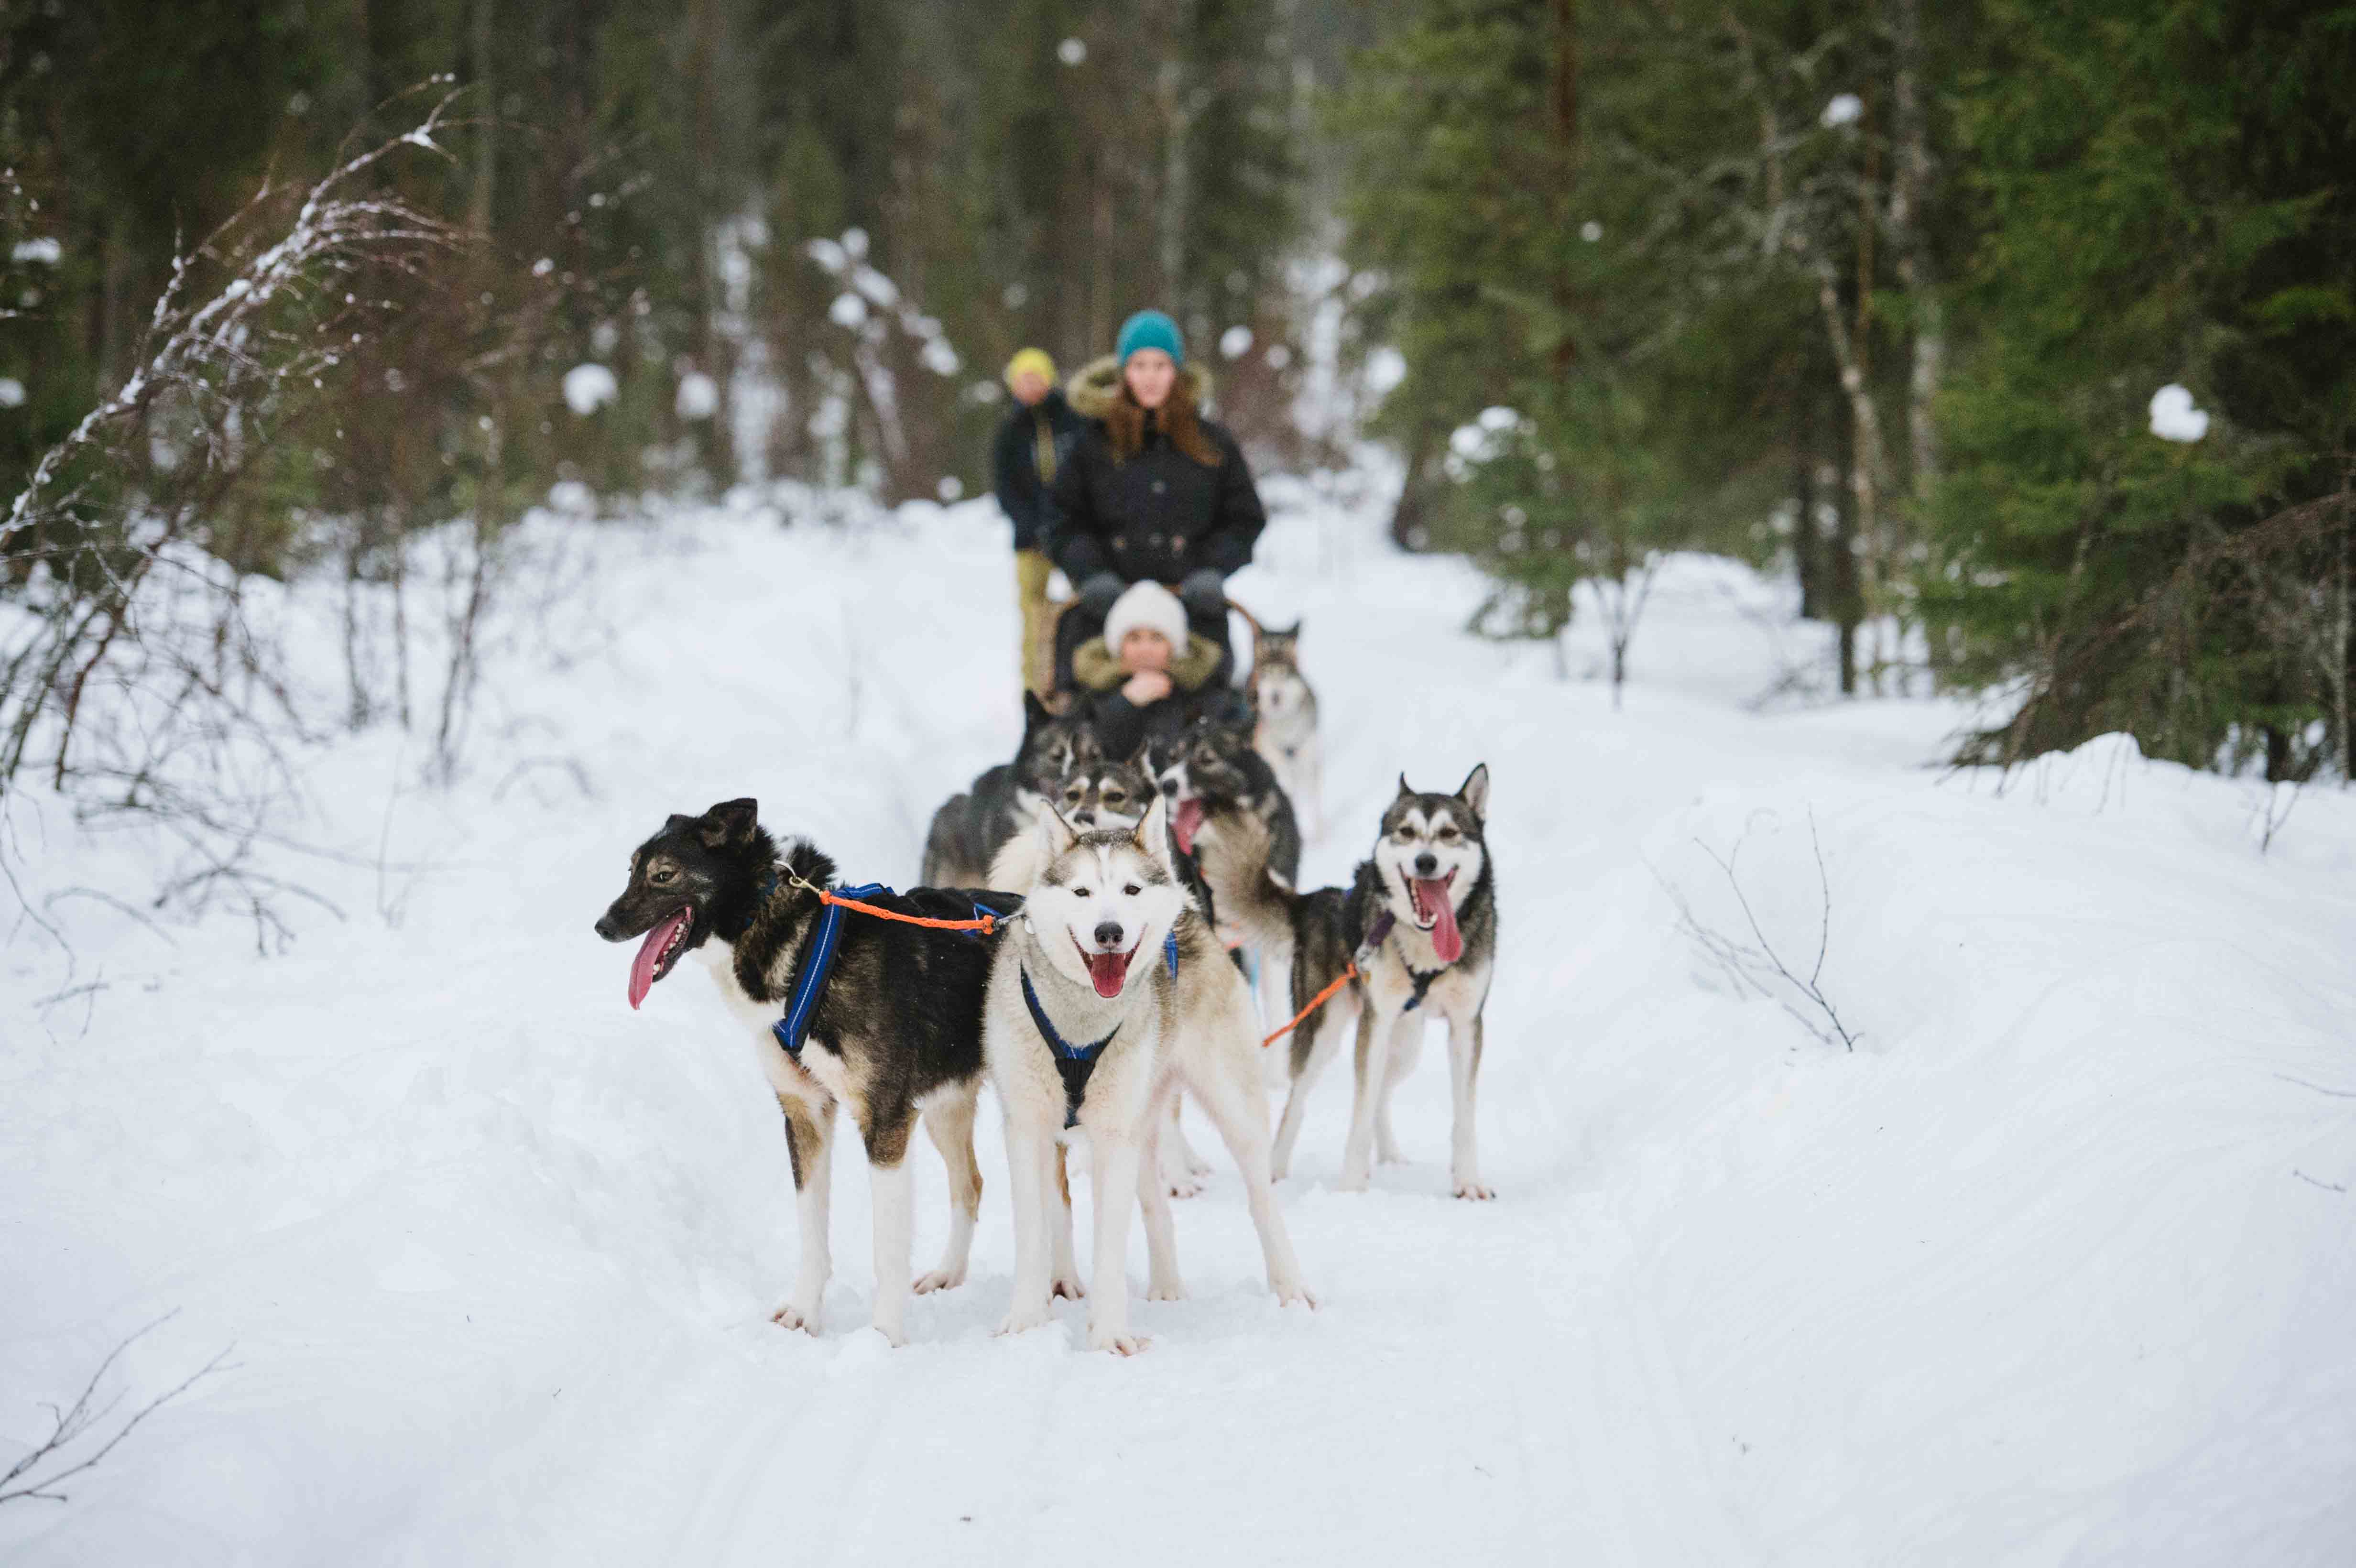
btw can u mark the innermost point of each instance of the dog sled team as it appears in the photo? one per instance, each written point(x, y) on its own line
point(1079, 938)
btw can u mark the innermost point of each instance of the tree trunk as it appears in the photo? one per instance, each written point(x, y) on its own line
point(1411, 518)
point(478, 211)
point(1563, 105)
point(1910, 191)
point(1807, 546)
point(1845, 595)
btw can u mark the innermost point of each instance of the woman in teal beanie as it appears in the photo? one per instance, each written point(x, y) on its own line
point(1154, 491)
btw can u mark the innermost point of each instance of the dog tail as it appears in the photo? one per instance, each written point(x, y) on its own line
point(1232, 850)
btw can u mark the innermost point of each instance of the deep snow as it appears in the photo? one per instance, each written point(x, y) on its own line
point(2055, 1267)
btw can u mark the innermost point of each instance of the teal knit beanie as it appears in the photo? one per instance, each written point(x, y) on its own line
point(1150, 329)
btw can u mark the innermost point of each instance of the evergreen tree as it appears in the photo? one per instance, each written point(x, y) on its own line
point(2168, 205)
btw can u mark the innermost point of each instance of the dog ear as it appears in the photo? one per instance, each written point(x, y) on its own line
point(677, 820)
point(1291, 634)
point(1055, 835)
point(1406, 793)
point(731, 823)
point(1152, 834)
point(1141, 760)
point(1034, 712)
point(1474, 791)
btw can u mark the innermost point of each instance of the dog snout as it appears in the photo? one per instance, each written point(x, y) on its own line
point(608, 927)
point(1427, 864)
point(1083, 819)
point(1107, 934)
point(1170, 788)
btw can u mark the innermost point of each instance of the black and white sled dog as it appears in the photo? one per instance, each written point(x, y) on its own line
point(1210, 772)
point(971, 827)
point(1284, 708)
point(892, 1029)
point(1420, 922)
point(1107, 995)
point(1096, 795)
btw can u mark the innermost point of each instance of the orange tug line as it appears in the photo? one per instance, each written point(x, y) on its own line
point(1315, 1002)
point(985, 925)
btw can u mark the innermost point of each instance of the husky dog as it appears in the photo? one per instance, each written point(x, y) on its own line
point(1285, 732)
point(1210, 771)
point(1106, 995)
point(1096, 795)
point(971, 827)
point(893, 1033)
point(1420, 922)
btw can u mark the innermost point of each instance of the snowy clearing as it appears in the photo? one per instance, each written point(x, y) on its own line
point(2056, 1266)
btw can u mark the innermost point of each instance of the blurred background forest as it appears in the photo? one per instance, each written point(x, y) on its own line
point(2023, 335)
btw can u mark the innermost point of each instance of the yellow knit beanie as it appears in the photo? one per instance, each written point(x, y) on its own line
point(1033, 360)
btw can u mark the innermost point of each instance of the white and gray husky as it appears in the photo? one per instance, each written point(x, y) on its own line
point(1106, 995)
point(1284, 729)
point(1420, 920)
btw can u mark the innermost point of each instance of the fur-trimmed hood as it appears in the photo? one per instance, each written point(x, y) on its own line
point(1095, 387)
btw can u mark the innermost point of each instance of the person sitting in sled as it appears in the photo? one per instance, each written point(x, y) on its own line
point(1150, 674)
point(1152, 491)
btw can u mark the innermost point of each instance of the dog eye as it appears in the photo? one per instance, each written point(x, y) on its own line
point(1082, 894)
point(663, 875)
point(1114, 797)
point(1446, 834)
point(1132, 890)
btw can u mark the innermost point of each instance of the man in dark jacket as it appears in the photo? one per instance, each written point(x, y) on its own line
point(1152, 492)
point(1032, 441)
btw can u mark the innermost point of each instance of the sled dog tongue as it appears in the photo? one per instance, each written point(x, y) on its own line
point(1106, 971)
point(650, 954)
point(1189, 817)
point(1432, 893)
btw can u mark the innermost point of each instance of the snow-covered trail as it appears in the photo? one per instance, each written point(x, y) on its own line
point(2056, 1267)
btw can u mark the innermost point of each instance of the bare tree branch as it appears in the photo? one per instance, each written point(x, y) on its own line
point(47, 1465)
point(1755, 965)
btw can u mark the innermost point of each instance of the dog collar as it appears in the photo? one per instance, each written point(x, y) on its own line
point(1074, 1064)
point(792, 1029)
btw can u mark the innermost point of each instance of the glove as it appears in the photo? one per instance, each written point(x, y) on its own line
point(1100, 591)
point(1203, 592)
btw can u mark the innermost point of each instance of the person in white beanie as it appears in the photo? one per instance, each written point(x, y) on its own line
point(1149, 674)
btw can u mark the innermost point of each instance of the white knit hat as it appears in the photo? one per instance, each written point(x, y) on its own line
point(1146, 604)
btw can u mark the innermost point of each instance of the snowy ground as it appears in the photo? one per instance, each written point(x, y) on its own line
point(2055, 1267)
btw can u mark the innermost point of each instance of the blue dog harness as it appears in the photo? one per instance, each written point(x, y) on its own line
point(1074, 1064)
point(792, 1029)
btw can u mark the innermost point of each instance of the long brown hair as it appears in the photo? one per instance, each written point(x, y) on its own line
point(1124, 423)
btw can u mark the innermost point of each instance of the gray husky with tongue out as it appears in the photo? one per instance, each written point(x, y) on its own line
point(1420, 920)
point(1107, 995)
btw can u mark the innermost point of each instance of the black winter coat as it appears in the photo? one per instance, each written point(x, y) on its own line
point(1015, 462)
point(1160, 515)
point(1122, 726)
